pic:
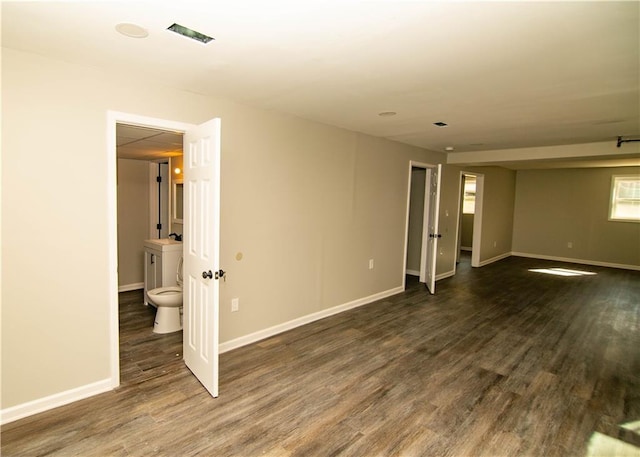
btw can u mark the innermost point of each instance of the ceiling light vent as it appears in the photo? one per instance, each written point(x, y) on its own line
point(440, 124)
point(189, 33)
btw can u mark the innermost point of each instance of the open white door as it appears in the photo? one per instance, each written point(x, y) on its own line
point(430, 234)
point(201, 252)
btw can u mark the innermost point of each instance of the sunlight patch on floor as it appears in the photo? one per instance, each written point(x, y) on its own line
point(562, 272)
point(602, 445)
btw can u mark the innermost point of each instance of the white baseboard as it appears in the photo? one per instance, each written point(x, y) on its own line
point(446, 274)
point(14, 413)
point(596, 263)
point(128, 287)
point(466, 248)
point(438, 277)
point(495, 259)
point(280, 328)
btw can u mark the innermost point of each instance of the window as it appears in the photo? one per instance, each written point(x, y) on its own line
point(625, 198)
point(469, 200)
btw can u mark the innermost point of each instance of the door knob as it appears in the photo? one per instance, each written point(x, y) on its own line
point(208, 274)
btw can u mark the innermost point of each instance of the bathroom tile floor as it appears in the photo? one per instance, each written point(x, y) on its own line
point(143, 354)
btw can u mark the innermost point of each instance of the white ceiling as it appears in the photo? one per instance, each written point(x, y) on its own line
point(142, 143)
point(501, 74)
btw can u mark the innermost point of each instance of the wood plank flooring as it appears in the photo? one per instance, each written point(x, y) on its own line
point(500, 362)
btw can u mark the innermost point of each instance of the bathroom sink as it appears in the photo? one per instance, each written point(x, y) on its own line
point(163, 244)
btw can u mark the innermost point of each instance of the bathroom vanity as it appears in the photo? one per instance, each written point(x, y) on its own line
point(161, 259)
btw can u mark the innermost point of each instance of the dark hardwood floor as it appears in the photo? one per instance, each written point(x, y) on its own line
point(500, 362)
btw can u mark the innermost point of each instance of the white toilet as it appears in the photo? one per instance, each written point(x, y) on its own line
point(168, 301)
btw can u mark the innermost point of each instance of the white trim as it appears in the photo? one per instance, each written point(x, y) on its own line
point(494, 259)
point(466, 248)
point(413, 272)
point(476, 242)
point(477, 219)
point(596, 263)
point(446, 274)
point(413, 163)
point(114, 117)
point(276, 329)
point(30, 408)
point(612, 195)
point(133, 286)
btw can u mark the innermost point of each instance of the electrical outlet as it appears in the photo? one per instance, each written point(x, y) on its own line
point(570, 244)
point(370, 264)
point(235, 304)
point(495, 244)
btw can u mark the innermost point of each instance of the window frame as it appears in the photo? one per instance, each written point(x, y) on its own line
point(613, 194)
point(464, 194)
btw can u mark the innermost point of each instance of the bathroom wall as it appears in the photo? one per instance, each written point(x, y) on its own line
point(133, 221)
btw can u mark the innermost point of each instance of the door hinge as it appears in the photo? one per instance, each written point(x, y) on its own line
point(158, 226)
point(158, 178)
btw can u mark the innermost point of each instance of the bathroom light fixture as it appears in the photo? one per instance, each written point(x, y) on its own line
point(387, 114)
point(177, 170)
point(449, 148)
point(189, 33)
point(440, 124)
point(132, 30)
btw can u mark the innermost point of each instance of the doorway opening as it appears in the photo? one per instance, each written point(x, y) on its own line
point(146, 160)
point(421, 235)
point(469, 226)
point(468, 200)
point(133, 144)
point(201, 249)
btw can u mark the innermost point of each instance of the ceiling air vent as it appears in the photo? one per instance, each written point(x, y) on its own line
point(185, 31)
point(440, 124)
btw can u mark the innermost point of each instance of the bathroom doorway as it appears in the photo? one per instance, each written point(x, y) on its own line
point(202, 245)
point(147, 160)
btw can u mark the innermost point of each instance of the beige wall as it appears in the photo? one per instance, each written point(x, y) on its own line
point(133, 219)
point(466, 228)
point(307, 205)
point(497, 213)
point(555, 207)
point(416, 216)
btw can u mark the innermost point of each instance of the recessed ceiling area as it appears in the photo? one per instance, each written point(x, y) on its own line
point(144, 143)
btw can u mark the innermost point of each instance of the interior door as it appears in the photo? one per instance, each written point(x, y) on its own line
point(201, 269)
point(432, 210)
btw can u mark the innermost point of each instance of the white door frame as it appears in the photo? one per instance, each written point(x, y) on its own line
point(476, 241)
point(425, 225)
point(113, 118)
